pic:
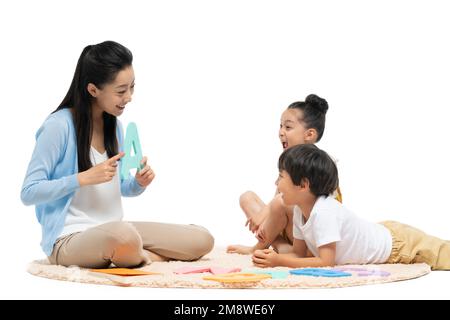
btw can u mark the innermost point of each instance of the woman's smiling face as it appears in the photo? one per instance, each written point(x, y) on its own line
point(113, 97)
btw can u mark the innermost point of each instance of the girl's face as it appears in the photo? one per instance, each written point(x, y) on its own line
point(293, 131)
point(113, 97)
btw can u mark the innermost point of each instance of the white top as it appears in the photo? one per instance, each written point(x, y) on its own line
point(357, 241)
point(93, 205)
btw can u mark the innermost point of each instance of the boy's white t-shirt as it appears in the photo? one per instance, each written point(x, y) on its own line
point(93, 205)
point(357, 240)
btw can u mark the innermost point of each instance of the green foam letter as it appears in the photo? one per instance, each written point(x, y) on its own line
point(131, 141)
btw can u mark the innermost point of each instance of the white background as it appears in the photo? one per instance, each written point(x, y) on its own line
point(212, 79)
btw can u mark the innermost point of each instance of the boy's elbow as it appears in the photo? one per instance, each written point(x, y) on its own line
point(328, 263)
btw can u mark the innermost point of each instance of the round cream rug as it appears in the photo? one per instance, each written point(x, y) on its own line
point(218, 259)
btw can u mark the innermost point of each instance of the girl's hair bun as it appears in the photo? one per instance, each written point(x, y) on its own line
point(317, 103)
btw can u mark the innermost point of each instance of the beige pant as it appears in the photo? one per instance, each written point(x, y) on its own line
point(126, 243)
point(411, 245)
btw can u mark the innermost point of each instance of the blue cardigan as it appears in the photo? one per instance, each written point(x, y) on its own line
point(51, 179)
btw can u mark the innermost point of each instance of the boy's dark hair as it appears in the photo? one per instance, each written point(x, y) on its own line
point(306, 161)
point(314, 109)
point(98, 64)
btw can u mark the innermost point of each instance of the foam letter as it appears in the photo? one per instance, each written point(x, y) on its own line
point(131, 141)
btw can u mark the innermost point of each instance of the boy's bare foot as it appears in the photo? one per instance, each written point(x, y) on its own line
point(237, 248)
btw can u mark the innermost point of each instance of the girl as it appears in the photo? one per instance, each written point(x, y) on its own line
point(333, 233)
point(301, 123)
point(73, 176)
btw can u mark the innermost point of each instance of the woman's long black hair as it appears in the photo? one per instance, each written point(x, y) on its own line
point(98, 64)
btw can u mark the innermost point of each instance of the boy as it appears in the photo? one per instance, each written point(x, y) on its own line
point(335, 235)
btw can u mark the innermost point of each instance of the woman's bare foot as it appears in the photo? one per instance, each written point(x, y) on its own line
point(237, 248)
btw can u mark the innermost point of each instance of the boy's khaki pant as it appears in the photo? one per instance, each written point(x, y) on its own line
point(126, 243)
point(411, 245)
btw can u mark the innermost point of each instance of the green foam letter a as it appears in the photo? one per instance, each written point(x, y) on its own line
point(131, 141)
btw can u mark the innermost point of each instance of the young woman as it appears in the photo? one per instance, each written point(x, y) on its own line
point(73, 175)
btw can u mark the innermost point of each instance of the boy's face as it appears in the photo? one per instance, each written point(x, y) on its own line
point(289, 191)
